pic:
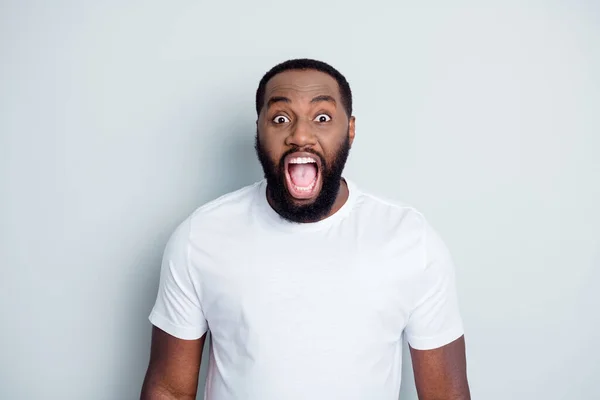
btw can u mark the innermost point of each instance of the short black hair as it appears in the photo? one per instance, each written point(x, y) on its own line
point(306, 64)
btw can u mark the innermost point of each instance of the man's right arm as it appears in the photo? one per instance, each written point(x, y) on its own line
point(173, 368)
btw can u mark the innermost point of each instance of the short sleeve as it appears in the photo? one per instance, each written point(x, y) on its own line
point(435, 319)
point(177, 309)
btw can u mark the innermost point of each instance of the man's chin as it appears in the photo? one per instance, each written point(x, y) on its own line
point(300, 210)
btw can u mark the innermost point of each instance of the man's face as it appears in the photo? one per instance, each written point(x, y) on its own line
point(303, 139)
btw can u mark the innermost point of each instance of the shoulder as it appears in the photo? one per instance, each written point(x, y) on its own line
point(390, 215)
point(225, 208)
point(400, 224)
point(221, 213)
point(226, 202)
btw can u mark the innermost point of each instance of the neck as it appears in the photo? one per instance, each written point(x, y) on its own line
point(341, 198)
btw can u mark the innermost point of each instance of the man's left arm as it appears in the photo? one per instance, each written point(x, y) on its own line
point(441, 374)
point(435, 330)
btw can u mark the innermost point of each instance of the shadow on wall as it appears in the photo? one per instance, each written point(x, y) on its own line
point(235, 164)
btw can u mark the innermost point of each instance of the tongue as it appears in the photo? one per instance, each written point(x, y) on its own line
point(303, 174)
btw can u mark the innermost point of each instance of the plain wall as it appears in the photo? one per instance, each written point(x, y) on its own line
point(119, 118)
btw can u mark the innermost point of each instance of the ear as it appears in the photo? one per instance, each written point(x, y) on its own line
point(351, 129)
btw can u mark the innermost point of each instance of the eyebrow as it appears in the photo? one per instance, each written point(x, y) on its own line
point(324, 97)
point(277, 99)
point(283, 99)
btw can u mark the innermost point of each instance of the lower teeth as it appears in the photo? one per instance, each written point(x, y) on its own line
point(307, 188)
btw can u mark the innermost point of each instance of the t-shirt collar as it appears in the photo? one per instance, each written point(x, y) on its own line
point(275, 220)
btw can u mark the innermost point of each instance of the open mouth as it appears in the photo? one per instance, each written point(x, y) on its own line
point(303, 175)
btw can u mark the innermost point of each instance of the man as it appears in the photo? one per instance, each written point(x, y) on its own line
point(307, 283)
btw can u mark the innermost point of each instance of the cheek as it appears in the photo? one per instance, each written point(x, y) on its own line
point(331, 145)
point(272, 142)
point(272, 150)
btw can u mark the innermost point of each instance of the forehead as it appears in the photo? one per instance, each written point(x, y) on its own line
point(303, 83)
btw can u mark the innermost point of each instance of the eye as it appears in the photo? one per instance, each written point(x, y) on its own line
point(280, 119)
point(323, 118)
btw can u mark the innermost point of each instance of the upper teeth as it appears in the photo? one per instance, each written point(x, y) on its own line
point(302, 160)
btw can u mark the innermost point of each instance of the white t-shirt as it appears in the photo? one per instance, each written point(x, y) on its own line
point(307, 311)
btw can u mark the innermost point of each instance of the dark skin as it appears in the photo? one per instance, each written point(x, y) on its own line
point(441, 374)
point(304, 110)
point(302, 98)
point(173, 368)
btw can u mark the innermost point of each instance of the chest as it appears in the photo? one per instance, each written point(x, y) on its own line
point(307, 287)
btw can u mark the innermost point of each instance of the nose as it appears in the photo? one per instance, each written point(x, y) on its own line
point(301, 135)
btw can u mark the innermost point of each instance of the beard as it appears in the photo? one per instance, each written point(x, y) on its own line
point(285, 205)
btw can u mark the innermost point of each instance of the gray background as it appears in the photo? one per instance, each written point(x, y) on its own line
point(118, 118)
